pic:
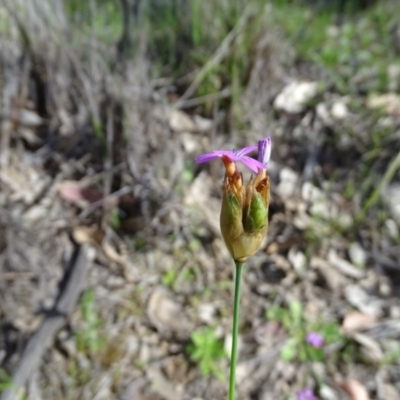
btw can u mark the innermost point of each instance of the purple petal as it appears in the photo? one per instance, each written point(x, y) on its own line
point(237, 156)
point(215, 154)
point(205, 158)
point(251, 163)
point(246, 150)
point(220, 153)
point(264, 150)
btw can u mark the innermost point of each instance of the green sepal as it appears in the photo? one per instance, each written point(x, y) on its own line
point(233, 208)
point(257, 214)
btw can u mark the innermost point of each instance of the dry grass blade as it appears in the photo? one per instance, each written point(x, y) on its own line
point(217, 57)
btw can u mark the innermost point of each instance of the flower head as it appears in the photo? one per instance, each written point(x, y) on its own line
point(244, 209)
point(236, 155)
point(305, 394)
point(315, 339)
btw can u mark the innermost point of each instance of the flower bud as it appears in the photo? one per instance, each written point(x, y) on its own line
point(244, 211)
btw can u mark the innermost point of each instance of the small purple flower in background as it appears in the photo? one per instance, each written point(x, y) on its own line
point(315, 339)
point(237, 155)
point(306, 394)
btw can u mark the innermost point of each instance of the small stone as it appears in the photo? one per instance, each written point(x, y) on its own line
point(357, 321)
point(333, 31)
point(390, 392)
point(326, 209)
point(203, 124)
point(394, 312)
point(29, 118)
point(189, 141)
point(392, 228)
point(327, 393)
point(370, 347)
point(339, 110)
point(163, 386)
point(311, 193)
point(289, 372)
point(333, 278)
point(288, 181)
point(392, 198)
point(388, 103)
point(345, 220)
point(302, 220)
point(298, 260)
point(323, 113)
point(355, 389)
point(180, 121)
point(357, 254)
point(206, 312)
point(166, 314)
point(393, 73)
point(344, 266)
point(360, 299)
point(295, 97)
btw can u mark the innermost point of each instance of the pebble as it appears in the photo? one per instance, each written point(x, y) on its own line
point(392, 198)
point(206, 312)
point(295, 96)
point(288, 181)
point(339, 110)
point(357, 254)
point(298, 260)
point(344, 266)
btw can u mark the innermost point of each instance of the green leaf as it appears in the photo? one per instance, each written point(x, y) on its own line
point(296, 312)
point(169, 277)
point(289, 350)
point(206, 349)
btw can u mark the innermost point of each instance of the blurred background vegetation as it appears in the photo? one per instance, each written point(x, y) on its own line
point(105, 105)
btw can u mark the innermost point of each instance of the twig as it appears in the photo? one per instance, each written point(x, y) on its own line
point(204, 99)
point(108, 163)
point(91, 207)
point(75, 282)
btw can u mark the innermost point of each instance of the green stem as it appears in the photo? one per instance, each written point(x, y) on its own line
point(238, 280)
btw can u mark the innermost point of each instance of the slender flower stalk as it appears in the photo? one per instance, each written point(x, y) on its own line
point(243, 219)
point(235, 330)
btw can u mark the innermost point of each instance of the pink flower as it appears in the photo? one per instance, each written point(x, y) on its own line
point(315, 339)
point(305, 394)
point(264, 153)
